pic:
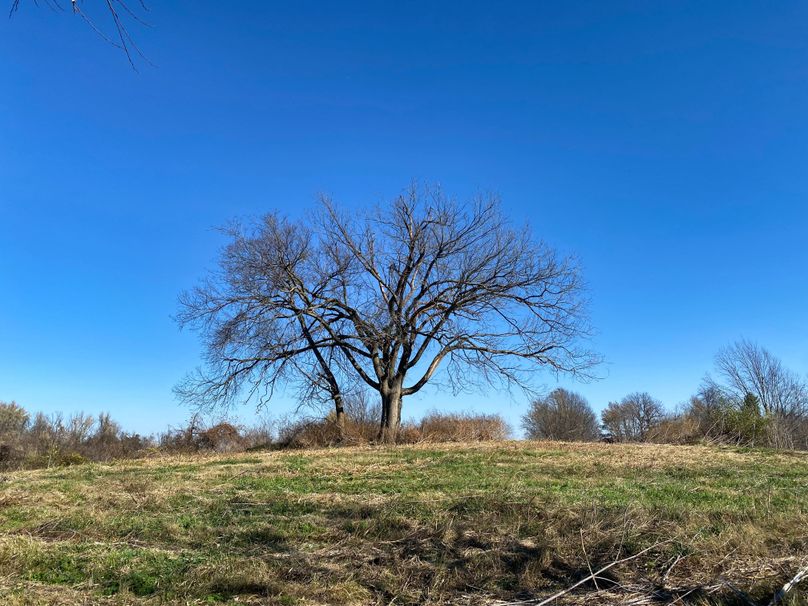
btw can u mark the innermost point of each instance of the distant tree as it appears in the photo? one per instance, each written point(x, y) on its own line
point(13, 419)
point(745, 370)
point(708, 409)
point(632, 418)
point(411, 287)
point(561, 415)
point(748, 422)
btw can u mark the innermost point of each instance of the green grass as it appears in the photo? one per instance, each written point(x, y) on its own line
point(413, 524)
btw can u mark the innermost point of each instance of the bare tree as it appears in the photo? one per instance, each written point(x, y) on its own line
point(433, 283)
point(118, 12)
point(561, 415)
point(747, 368)
point(633, 417)
point(256, 321)
point(13, 418)
point(414, 286)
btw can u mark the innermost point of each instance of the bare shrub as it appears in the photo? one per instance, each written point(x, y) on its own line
point(677, 429)
point(360, 425)
point(364, 415)
point(561, 415)
point(222, 437)
point(46, 441)
point(462, 427)
point(410, 434)
point(260, 435)
point(434, 427)
point(182, 439)
point(196, 436)
point(308, 433)
point(632, 418)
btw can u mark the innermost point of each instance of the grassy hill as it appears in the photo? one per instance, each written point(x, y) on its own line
point(460, 524)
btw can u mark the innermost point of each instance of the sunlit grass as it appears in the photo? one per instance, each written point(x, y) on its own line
point(416, 524)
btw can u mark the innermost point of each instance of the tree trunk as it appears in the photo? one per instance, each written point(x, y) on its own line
point(340, 415)
point(391, 416)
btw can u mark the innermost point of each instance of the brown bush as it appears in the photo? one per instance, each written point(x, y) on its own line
point(46, 441)
point(259, 436)
point(682, 429)
point(361, 427)
point(309, 433)
point(222, 437)
point(462, 427)
point(435, 427)
point(409, 434)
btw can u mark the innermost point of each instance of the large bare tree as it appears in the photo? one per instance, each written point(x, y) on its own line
point(256, 322)
point(395, 295)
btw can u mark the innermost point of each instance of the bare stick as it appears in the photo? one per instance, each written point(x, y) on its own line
point(587, 578)
point(741, 594)
point(778, 597)
point(588, 565)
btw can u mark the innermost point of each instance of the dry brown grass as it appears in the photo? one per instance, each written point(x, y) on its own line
point(455, 523)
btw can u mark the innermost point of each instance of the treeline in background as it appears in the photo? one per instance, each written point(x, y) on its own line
point(33, 441)
point(752, 400)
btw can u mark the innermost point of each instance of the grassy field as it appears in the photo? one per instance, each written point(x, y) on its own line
point(457, 524)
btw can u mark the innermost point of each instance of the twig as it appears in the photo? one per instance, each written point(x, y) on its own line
point(741, 594)
point(801, 574)
point(586, 578)
point(588, 565)
point(681, 597)
point(668, 571)
point(125, 41)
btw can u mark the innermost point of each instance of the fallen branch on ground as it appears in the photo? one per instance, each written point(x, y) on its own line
point(778, 597)
point(589, 577)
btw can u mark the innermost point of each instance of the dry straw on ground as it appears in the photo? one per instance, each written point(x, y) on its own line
point(503, 522)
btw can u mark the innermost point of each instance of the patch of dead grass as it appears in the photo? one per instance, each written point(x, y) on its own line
point(416, 524)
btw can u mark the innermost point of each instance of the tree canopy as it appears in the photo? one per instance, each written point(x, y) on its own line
point(387, 296)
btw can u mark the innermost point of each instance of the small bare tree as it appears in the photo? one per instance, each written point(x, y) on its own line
point(561, 415)
point(745, 370)
point(633, 417)
point(413, 286)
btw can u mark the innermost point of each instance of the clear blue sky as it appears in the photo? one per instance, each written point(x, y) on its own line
point(665, 143)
